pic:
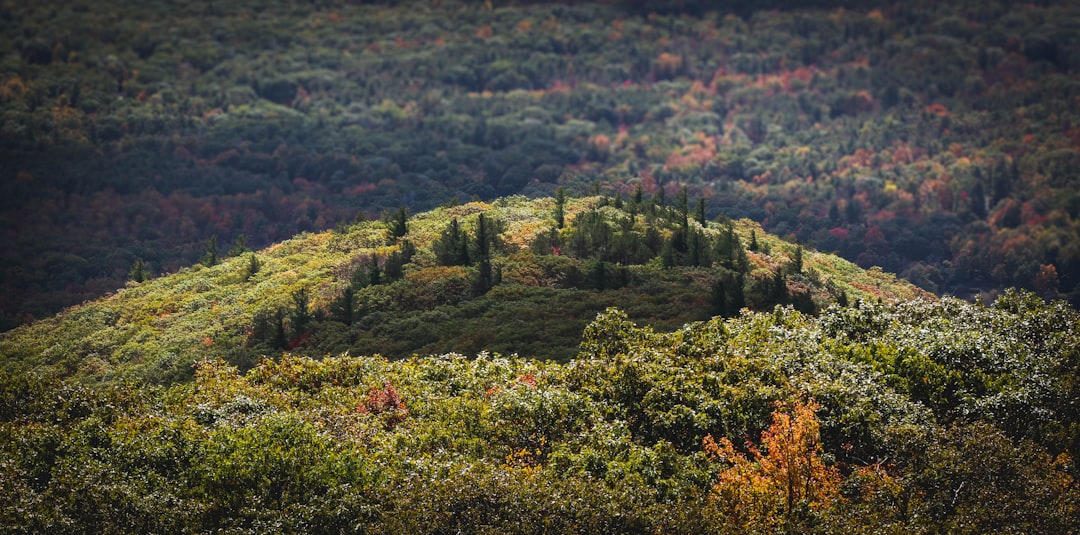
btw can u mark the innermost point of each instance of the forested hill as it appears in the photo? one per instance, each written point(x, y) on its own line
point(515, 276)
point(917, 417)
point(937, 140)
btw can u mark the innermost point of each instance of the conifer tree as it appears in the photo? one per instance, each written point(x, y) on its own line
point(485, 237)
point(452, 247)
point(239, 246)
point(560, 207)
point(699, 212)
point(374, 274)
point(342, 308)
point(300, 316)
point(138, 271)
point(210, 252)
point(399, 225)
point(252, 267)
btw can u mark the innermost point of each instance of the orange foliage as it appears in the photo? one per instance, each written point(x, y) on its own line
point(601, 142)
point(485, 32)
point(937, 109)
point(763, 490)
point(669, 63)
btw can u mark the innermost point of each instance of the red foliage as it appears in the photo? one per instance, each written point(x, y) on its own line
point(385, 402)
point(937, 109)
point(298, 341)
point(528, 380)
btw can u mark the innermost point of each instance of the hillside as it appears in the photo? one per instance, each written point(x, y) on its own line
point(919, 417)
point(371, 288)
point(833, 400)
point(935, 139)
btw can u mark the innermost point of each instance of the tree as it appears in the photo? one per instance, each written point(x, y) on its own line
point(210, 252)
point(399, 224)
point(252, 267)
point(452, 247)
point(300, 316)
point(239, 246)
point(485, 239)
point(796, 265)
point(699, 212)
point(560, 205)
point(772, 490)
point(138, 271)
point(343, 307)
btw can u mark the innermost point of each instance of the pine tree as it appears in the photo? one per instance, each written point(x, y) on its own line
point(485, 236)
point(399, 225)
point(239, 246)
point(560, 207)
point(452, 247)
point(252, 267)
point(138, 271)
point(699, 212)
point(210, 252)
point(300, 316)
point(374, 274)
point(343, 308)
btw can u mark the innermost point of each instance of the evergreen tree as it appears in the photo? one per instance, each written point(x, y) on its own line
point(796, 266)
point(252, 267)
point(138, 271)
point(210, 252)
point(239, 246)
point(597, 275)
point(718, 298)
point(399, 224)
point(300, 316)
point(374, 274)
point(485, 236)
point(753, 241)
point(560, 205)
point(699, 212)
point(343, 308)
point(394, 268)
point(452, 247)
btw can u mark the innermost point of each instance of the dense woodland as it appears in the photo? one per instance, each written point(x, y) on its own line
point(531, 267)
point(934, 139)
point(224, 397)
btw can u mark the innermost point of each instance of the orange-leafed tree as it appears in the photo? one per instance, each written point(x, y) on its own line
point(781, 483)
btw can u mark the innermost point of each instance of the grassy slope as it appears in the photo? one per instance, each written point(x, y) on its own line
point(156, 329)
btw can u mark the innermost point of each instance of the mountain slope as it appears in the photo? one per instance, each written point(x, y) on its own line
point(546, 293)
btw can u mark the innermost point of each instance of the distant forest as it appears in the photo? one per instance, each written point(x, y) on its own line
point(938, 140)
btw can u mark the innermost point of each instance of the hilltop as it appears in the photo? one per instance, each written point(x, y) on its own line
point(406, 285)
point(937, 140)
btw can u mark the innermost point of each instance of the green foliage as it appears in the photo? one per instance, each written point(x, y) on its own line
point(613, 441)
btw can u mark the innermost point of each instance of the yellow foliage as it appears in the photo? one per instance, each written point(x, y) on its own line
point(763, 490)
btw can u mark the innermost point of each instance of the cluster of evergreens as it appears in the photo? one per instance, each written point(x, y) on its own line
point(500, 277)
point(937, 140)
